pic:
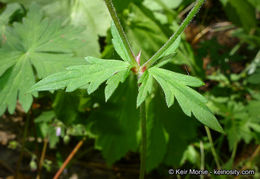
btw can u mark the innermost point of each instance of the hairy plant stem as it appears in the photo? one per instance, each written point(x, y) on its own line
point(212, 147)
point(121, 32)
point(143, 140)
point(172, 39)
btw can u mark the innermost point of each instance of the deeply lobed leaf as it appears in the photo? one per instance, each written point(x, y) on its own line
point(89, 76)
point(176, 86)
point(36, 42)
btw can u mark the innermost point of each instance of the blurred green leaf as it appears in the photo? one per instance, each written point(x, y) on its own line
point(121, 5)
point(144, 32)
point(242, 13)
point(5, 17)
point(157, 5)
point(115, 124)
point(47, 46)
point(93, 16)
point(45, 117)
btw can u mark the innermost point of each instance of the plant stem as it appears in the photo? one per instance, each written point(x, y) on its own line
point(172, 39)
point(120, 29)
point(23, 144)
point(212, 147)
point(71, 155)
point(202, 159)
point(143, 140)
point(42, 158)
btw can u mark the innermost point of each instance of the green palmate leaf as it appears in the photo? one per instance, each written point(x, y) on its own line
point(39, 42)
point(176, 85)
point(89, 76)
point(118, 44)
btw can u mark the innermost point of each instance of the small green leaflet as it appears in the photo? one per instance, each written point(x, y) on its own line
point(89, 76)
point(176, 85)
point(118, 44)
point(146, 82)
point(36, 42)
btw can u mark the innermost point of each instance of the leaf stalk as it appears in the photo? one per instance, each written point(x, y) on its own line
point(215, 155)
point(172, 39)
point(120, 29)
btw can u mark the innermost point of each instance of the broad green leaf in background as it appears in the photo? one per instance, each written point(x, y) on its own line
point(94, 17)
point(163, 9)
point(27, 2)
point(241, 12)
point(36, 42)
point(157, 5)
point(4, 19)
point(255, 3)
point(157, 136)
point(89, 76)
point(121, 5)
point(144, 32)
point(165, 144)
point(115, 124)
point(176, 85)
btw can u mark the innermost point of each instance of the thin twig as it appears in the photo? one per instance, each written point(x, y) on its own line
point(42, 158)
point(71, 155)
point(6, 166)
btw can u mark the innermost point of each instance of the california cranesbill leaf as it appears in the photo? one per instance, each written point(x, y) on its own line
point(37, 43)
point(176, 85)
point(89, 76)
